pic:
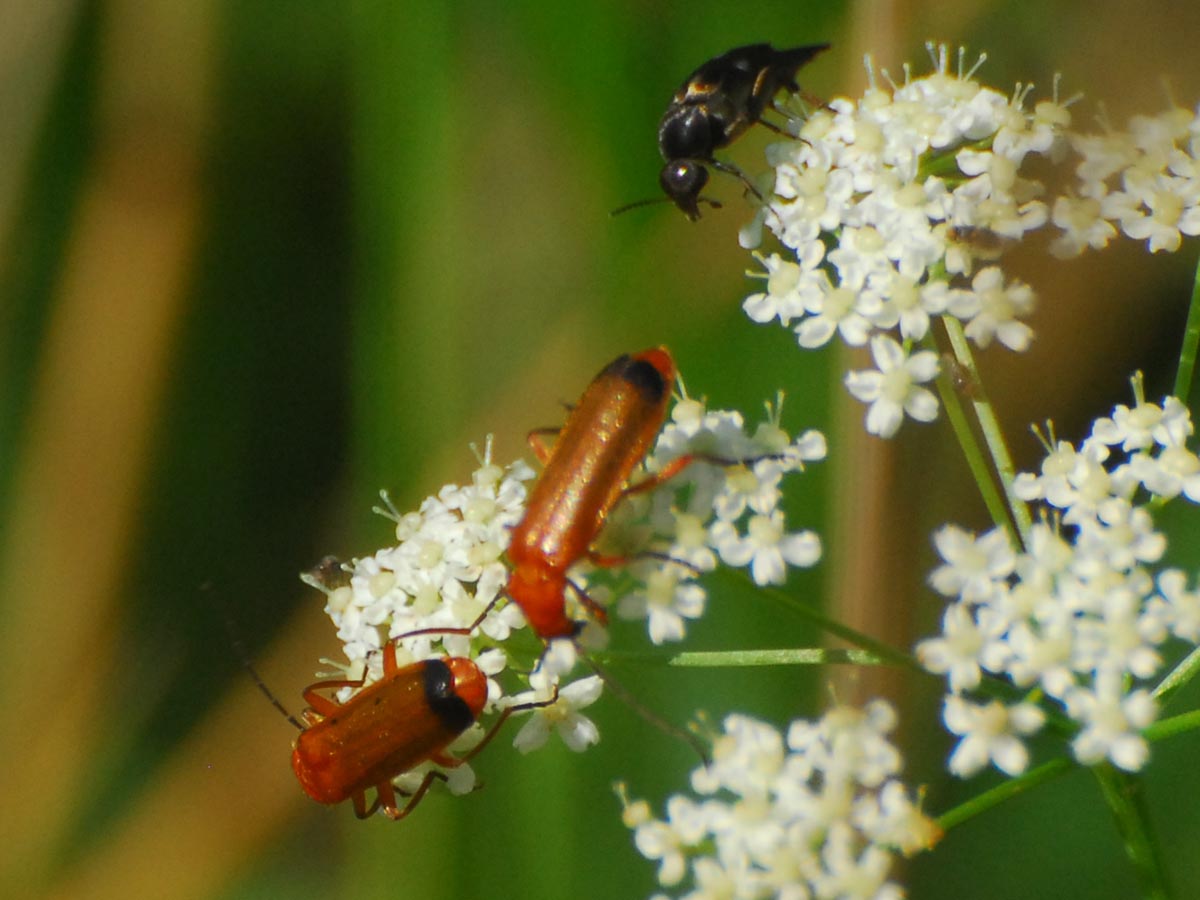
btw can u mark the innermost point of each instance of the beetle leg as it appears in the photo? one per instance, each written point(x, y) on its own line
point(390, 666)
point(467, 629)
point(503, 717)
point(599, 613)
point(385, 799)
point(679, 463)
point(388, 792)
point(323, 705)
point(603, 561)
point(360, 805)
point(611, 562)
point(666, 473)
point(326, 707)
point(536, 443)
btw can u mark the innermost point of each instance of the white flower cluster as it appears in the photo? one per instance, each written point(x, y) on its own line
point(710, 510)
point(821, 816)
point(1080, 615)
point(889, 206)
point(446, 568)
point(1144, 181)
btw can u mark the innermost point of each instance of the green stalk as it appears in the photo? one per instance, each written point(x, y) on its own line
point(1180, 724)
point(723, 659)
point(830, 626)
point(1126, 800)
point(1178, 677)
point(993, 436)
point(1191, 338)
point(975, 457)
point(1004, 791)
point(1126, 796)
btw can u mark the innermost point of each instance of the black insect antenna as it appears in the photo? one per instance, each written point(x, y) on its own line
point(646, 713)
point(714, 204)
point(262, 686)
point(239, 649)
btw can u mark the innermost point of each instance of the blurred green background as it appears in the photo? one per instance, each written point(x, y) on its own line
point(259, 260)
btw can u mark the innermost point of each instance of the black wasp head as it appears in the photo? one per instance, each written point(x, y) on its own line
point(682, 180)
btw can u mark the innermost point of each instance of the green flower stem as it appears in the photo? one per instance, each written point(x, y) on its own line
point(1165, 728)
point(1004, 791)
point(830, 626)
point(1178, 677)
point(976, 459)
point(990, 426)
point(944, 163)
point(1191, 338)
point(1126, 800)
point(721, 659)
point(1180, 724)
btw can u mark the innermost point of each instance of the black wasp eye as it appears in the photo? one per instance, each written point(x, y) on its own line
point(682, 181)
point(683, 178)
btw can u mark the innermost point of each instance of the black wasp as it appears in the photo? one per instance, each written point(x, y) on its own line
point(712, 108)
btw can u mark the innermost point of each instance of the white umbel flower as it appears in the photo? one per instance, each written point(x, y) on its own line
point(1081, 613)
point(893, 389)
point(821, 814)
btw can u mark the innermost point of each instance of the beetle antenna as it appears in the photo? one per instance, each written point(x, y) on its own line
point(715, 204)
point(645, 712)
point(262, 686)
point(239, 650)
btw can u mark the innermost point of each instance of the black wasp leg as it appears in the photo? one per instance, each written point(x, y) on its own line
point(731, 169)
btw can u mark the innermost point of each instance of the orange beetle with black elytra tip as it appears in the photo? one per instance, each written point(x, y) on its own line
point(606, 436)
point(410, 716)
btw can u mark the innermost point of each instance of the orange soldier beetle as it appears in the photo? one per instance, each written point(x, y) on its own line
point(587, 470)
point(606, 436)
point(409, 716)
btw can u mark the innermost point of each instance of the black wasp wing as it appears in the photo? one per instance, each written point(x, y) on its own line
point(731, 74)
